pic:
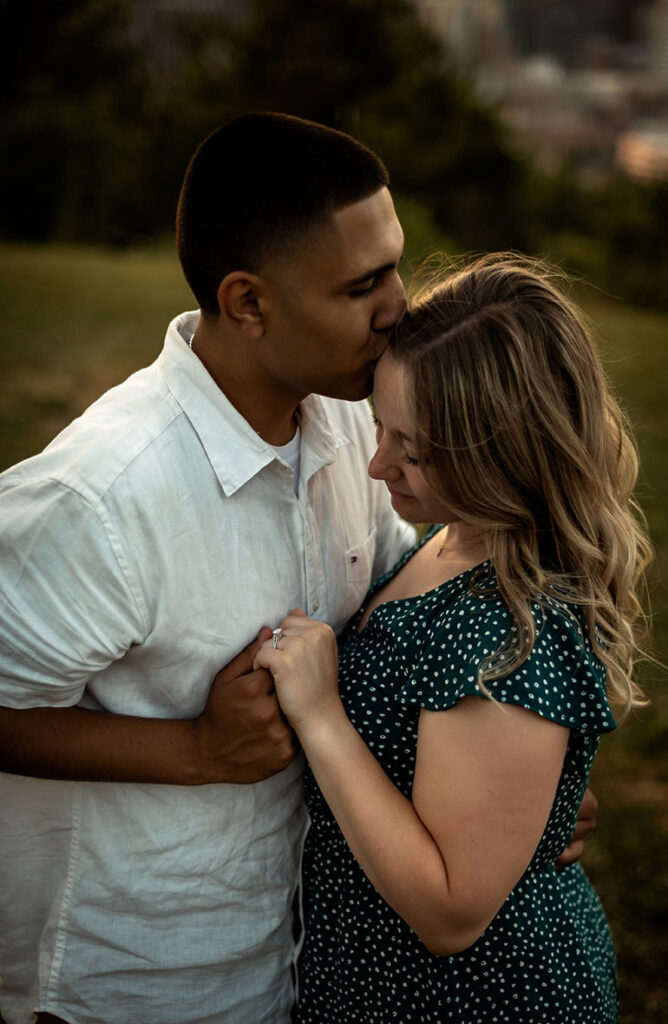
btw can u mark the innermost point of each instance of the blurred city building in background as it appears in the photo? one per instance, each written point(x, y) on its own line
point(584, 83)
point(578, 83)
point(536, 125)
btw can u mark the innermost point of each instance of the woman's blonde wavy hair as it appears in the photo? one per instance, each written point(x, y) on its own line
point(517, 432)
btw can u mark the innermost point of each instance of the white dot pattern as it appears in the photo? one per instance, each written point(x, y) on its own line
point(547, 957)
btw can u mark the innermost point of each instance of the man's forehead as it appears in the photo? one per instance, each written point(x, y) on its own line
point(347, 246)
point(373, 218)
point(362, 238)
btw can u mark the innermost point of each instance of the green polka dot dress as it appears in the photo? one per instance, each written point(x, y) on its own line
point(547, 957)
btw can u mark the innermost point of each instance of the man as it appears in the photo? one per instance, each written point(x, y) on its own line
point(142, 550)
point(151, 814)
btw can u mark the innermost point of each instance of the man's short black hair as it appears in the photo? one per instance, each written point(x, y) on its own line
point(255, 184)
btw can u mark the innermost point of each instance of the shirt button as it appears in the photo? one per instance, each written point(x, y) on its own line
point(316, 605)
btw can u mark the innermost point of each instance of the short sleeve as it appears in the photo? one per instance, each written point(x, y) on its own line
point(68, 607)
point(561, 679)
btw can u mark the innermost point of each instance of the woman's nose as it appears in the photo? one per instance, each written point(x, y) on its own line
point(382, 467)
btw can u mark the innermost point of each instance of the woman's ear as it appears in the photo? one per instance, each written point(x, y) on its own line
point(241, 301)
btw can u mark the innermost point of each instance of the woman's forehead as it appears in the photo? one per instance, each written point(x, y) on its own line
point(390, 393)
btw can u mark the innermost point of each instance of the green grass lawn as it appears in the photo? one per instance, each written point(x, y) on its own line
point(77, 321)
point(626, 859)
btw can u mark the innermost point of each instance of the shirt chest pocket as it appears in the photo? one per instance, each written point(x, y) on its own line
point(358, 568)
point(359, 562)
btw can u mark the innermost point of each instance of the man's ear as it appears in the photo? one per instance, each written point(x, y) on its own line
point(242, 300)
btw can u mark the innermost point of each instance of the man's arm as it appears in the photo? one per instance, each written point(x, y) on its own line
point(240, 737)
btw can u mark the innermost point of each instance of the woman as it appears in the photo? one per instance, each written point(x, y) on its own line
point(448, 763)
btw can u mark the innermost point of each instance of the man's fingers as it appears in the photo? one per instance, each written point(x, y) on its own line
point(586, 823)
point(243, 663)
point(571, 853)
point(588, 808)
point(586, 820)
point(270, 732)
point(583, 826)
point(253, 685)
point(242, 735)
point(254, 647)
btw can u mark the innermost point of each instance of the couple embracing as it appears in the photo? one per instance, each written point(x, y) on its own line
point(152, 810)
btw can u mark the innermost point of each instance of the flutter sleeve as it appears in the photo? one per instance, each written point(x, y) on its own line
point(561, 679)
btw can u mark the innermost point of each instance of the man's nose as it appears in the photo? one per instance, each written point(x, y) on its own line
point(392, 306)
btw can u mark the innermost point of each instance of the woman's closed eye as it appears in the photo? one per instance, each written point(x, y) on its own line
point(410, 459)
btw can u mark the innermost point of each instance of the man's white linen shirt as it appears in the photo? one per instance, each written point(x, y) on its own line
point(139, 553)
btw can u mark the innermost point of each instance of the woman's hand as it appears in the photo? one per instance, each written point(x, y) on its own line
point(305, 666)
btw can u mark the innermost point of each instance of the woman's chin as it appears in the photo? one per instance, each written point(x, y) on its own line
point(405, 506)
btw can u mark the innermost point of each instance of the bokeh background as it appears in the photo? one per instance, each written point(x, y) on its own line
point(537, 125)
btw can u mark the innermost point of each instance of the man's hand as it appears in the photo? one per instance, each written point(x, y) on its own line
point(242, 736)
point(586, 823)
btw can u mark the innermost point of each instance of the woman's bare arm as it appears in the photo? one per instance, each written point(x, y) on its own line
point(485, 780)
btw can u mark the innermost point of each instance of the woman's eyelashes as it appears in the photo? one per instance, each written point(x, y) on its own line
point(410, 459)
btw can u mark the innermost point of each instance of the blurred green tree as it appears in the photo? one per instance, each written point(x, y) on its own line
point(103, 101)
point(71, 133)
point(613, 233)
point(96, 132)
point(372, 68)
point(630, 220)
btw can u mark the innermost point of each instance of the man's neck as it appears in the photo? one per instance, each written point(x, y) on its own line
point(273, 416)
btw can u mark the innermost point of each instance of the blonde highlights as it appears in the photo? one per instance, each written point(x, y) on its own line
point(517, 431)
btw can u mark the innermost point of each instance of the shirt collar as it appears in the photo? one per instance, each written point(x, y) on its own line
point(236, 452)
